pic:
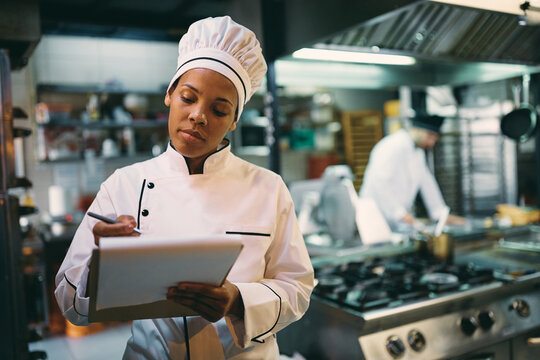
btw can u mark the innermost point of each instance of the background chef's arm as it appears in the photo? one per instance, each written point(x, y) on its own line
point(282, 296)
point(71, 279)
point(431, 195)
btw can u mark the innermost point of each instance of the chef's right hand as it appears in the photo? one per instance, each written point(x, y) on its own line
point(124, 228)
point(408, 219)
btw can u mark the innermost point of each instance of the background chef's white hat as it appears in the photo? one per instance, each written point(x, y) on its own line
point(224, 46)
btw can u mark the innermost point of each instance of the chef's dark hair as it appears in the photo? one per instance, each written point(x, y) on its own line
point(428, 122)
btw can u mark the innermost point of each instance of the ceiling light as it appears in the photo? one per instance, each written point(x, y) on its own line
point(353, 56)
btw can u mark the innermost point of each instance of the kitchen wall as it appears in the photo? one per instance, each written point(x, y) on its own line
point(128, 64)
point(135, 66)
point(58, 60)
point(147, 66)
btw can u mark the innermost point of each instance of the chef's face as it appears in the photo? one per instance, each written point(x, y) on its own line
point(202, 109)
point(425, 139)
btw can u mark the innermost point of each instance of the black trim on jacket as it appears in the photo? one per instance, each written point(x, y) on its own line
point(273, 326)
point(204, 161)
point(140, 203)
point(74, 296)
point(246, 233)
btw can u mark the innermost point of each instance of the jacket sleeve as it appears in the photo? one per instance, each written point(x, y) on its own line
point(283, 295)
point(71, 279)
point(431, 195)
point(381, 181)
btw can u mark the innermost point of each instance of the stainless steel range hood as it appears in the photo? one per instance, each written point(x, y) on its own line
point(436, 31)
point(451, 43)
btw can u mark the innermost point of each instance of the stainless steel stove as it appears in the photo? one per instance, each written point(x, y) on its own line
point(406, 307)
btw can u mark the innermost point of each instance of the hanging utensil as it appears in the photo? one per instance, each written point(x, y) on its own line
point(520, 123)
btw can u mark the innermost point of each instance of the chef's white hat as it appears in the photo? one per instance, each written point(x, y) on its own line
point(224, 46)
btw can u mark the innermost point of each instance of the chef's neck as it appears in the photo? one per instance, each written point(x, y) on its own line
point(195, 165)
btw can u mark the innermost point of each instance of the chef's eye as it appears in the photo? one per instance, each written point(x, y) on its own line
point(187, 99)
point(220, 111)
point(187, 96)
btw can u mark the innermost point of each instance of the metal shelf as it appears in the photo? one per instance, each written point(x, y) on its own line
point(137, 124)
point(95, 89)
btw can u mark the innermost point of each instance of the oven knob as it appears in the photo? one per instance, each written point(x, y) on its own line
point(521, 307)
point(468, 325)
point(486, 319)
point(416, 340)
point(395, 346)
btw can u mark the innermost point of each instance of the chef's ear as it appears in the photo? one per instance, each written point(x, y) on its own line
point(167, 100)
point(233, 125)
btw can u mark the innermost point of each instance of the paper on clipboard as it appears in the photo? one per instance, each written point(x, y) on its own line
point(138, 271)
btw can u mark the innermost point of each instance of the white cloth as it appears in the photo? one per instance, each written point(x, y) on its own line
point(273, 273)
point(396, 171)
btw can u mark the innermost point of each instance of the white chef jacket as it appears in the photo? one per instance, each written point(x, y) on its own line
point(396, 171)
point(273, 272)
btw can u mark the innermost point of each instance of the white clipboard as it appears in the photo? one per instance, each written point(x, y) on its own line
point(129, 276)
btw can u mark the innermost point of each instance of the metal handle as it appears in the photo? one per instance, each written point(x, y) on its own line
point(533, 341)
point(481, 356)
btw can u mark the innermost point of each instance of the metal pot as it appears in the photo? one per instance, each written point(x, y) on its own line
point(519, 124)
point(436, 247)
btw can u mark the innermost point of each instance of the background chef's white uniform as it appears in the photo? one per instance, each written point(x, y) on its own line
point(273, 273)
point(396, 171)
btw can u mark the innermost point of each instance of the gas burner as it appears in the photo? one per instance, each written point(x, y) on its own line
point(395, 269)
point(438, 282)
point(379, 283)
point(439, 279)
point(329, 283)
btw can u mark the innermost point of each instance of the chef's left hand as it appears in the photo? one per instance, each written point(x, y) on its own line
point(456, 220)
point(210, 302)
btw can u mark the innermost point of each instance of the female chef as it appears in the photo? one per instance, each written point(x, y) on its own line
point(197, 187)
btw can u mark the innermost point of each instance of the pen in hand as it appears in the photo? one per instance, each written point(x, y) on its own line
point(109, 220)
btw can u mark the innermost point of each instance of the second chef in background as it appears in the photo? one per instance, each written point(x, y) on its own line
point(397, 170)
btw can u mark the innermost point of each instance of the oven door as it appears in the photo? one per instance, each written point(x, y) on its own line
point(526, 346)
point(499, 351)
point(522, 347)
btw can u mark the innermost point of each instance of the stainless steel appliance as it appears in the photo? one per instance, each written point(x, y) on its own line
point(14, 330)
point(474, 164)
point(13, 343)
point(251, 136)
point(407, 307)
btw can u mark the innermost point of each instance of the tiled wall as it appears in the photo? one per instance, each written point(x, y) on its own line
point(132, 64)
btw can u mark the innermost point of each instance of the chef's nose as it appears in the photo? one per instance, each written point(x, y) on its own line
point(198, 116)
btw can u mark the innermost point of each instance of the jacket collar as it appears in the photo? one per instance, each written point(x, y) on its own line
point(214, 162)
